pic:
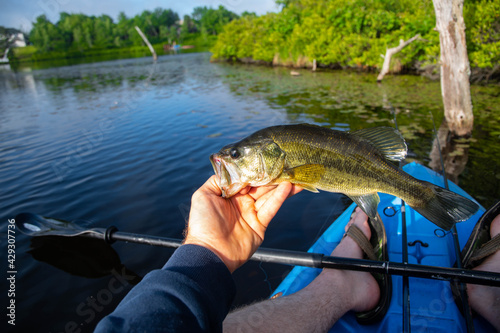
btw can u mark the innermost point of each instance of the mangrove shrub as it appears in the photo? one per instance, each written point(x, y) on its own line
point(355, 33)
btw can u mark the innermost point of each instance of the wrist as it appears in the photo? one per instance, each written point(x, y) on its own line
point(230, 264)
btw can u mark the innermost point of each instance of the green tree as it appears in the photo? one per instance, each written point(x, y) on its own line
point(122, 29)
point(81, 32)
point(247, 13)
point(482, 20)
point(173, 34)
point(46, 36)
point(164, 32)
point(198, 13)
point(211, 21)
point(150, 22)
point(104, 30)
point(354, 33)
point(188, 26)
point(4, 40)
point(77, 29)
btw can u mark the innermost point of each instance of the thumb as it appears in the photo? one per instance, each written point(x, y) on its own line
point(212, 186)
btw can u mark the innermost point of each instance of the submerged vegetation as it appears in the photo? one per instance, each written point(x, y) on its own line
point(349, 100)
point(355, 33)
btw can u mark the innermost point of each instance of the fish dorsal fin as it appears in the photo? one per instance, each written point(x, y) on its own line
point(305, 175)
point(367, 202)
point(387, 140)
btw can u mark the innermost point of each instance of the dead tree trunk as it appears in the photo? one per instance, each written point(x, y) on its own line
point(145, 39)
point(390, 52)
point(455, 69)
point(454, 153)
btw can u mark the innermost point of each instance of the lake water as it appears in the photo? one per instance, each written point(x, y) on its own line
point(126, 143)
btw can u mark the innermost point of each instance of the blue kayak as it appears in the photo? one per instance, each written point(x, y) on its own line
point(432, 307)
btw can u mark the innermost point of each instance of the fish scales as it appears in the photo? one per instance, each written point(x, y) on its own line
point(354, 163)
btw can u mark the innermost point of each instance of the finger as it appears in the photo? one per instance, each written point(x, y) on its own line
point(262, 200)
point(257, 192)
point(245, 190)
point(212, 186)
point(273, 203)
point(295, 189)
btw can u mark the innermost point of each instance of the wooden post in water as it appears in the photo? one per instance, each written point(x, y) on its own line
point(145, 39)
point(455, 68)
point(453, 152)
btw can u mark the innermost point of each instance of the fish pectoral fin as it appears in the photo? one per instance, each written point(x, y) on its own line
point(304, 174)
point(367, 202)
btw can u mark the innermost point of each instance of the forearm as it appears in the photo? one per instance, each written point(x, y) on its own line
point(313, 309)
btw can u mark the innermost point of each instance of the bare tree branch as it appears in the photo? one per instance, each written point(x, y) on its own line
point(145, 39)
point(390, 52)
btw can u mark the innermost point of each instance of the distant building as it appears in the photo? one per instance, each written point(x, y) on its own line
point(10, 38)
point(17, 40)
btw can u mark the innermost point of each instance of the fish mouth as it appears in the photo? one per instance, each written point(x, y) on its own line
point(227, 176)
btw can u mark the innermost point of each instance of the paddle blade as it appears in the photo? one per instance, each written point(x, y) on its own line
point(36, 225)
point(80, 256)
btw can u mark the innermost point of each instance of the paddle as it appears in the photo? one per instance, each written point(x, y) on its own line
point(35, 225)
point(80, 256)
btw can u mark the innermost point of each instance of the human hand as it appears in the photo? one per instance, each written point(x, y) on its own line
point(234, 228)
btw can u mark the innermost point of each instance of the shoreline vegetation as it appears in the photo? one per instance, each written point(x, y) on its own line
point(30, 54)
point(355, 34)
point(334, 34)
point(79, 37)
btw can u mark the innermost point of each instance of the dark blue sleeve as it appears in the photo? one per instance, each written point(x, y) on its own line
point(191, 293)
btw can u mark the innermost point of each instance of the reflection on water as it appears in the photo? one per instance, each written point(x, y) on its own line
point(450, 151)
point(87, 257)
point(126, 143)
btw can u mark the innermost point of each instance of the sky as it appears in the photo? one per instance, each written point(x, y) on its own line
point(20, 14)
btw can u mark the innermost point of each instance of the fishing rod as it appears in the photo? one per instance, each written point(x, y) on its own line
point(37, 226)
point(458, 254)
point(404, 247)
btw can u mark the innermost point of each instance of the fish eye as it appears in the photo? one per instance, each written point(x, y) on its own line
point(234, 153)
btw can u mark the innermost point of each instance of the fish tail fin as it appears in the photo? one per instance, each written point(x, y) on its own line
point(445, 208)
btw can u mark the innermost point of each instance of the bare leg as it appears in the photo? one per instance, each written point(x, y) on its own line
point(485, 300)
point(319, 305)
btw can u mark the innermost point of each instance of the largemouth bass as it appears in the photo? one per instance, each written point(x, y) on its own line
point(355, 164)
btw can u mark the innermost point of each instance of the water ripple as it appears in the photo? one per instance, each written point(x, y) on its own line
point(126, 143)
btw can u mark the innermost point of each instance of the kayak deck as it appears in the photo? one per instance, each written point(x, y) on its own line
point(432, 307)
